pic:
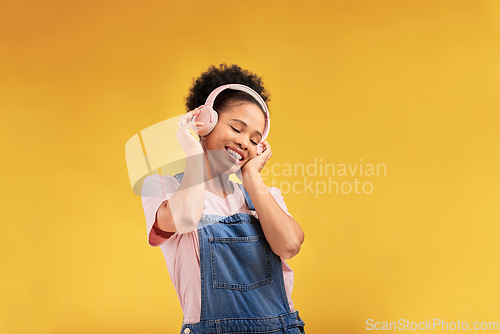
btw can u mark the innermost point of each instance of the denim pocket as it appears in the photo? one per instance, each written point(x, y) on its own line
point(242, 263)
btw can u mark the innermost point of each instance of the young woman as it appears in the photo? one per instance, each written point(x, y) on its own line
point(225, 243)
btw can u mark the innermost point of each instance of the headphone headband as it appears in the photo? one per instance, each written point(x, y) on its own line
point(211, 98)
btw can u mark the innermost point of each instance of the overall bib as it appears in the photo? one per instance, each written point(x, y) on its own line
point(242, 286)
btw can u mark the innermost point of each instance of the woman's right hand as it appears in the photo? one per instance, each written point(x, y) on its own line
point(189, 143)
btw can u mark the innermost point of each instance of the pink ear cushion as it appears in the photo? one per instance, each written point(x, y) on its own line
point(208, 116)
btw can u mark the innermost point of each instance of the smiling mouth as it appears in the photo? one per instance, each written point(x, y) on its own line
point(234, 154)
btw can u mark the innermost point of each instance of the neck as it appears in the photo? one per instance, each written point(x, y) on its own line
point(215, 182)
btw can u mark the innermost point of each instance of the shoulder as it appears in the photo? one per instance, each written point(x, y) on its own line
point(157, 185)
point(160, 179)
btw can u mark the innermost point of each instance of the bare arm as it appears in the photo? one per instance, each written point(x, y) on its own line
point(282, 231)
point(183, 210)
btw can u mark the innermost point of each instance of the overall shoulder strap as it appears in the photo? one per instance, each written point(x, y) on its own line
point(247, 197)
point(179, 176)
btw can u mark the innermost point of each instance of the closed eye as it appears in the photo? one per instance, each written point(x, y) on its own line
point(235, 129)
point(253, 142)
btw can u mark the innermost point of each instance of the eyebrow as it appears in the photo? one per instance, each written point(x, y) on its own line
point(245, 124)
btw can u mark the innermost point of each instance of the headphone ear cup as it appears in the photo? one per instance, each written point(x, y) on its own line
point(209, 117)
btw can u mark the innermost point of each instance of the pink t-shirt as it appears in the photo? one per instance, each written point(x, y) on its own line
point(181, 251)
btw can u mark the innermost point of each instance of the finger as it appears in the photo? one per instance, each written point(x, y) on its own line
point(194, 123)
point(186, 120)
point(190, 125)
point(193, 112)
point(197, 110)
point(268, 156)
point(267, 147)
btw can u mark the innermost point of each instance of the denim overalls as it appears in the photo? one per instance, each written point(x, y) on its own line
point(242, 287)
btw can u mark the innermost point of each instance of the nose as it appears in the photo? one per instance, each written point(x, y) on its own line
point(242, 142)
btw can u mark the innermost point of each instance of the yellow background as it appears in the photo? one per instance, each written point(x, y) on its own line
point(413, 85)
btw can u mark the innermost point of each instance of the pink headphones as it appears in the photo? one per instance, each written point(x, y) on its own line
point(210, 117)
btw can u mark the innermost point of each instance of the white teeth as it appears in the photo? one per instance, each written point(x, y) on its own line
point(236, 154)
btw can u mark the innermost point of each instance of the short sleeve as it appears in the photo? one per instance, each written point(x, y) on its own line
point(156, 189)
point(276, 193)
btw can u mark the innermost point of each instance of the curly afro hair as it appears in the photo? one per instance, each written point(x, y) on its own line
point(222, 75)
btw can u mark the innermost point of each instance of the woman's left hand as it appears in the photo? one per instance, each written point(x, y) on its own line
point(258, 162)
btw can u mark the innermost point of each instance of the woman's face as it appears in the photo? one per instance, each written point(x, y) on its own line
point(239, 129)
